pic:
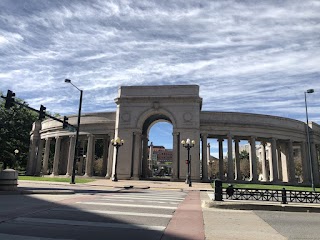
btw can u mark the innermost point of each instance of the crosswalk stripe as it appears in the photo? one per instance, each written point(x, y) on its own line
point(118, 213)
point(128, 200)
point(150, 195)
point(126, 205)
point(90, 224)
point(20, 237)
point(141, 198)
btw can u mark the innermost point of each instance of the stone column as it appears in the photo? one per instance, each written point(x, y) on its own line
point(137, 155)
point(237, 158)
point(315, 163)
point(253, 160)
point(279, 163)
point(274, 161)
point(145, 168)
point(176, 156)
point(72, 145)
point(90, 156)
point(290, 163)
point(230, 159)
point(305, 163)
point(221, 172)
point(284, 161)
point(150, 156)
point(55, 171)
point(46, 156)
point(105, 156)
point(81, 159)
point(34, 143)
point(204, 138)
point(209, 162)
point(39, 157)
point(110, 157)
point(263, 162)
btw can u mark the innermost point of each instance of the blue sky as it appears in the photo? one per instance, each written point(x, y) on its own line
point(247, 56)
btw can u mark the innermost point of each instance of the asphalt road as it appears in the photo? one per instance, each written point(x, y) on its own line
point(293, 225)
point(142, 214)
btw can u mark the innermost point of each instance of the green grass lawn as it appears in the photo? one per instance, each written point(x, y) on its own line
point(54, 179)
point(270, 187)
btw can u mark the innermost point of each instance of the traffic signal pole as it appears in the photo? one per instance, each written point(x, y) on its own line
point(42, 114)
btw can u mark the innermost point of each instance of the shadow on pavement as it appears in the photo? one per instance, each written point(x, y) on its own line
point(58, 216)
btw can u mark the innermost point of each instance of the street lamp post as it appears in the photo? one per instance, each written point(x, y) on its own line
point(117, 143)
point(16, 152)
point(188, 145)
point(308, 138)
point(77, 135)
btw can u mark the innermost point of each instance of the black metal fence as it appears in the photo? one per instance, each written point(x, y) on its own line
point(284, 196)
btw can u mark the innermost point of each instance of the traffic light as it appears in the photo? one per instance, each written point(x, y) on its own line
point(42, 112)
point(65, 122)
point(9, 99)
point(81, 151)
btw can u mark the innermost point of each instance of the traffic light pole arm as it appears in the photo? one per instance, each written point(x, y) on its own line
point(35, 110)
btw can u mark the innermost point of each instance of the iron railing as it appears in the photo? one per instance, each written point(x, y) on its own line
point(282, 196)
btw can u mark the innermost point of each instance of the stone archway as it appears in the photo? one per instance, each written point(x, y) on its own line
point(140, 106)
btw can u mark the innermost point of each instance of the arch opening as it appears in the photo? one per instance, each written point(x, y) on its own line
point(158, 151)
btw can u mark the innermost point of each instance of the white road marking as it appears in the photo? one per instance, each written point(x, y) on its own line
point(90, 224)
point(142, 198)
point(117, 213)
point(128, 200)
point(126, 205)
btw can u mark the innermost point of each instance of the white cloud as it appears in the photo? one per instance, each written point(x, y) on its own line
point(246, 57)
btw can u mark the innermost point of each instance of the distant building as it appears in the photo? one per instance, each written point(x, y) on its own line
point(161, 159)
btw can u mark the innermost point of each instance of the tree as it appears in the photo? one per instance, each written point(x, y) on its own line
point(244, 164)
point(15, 127)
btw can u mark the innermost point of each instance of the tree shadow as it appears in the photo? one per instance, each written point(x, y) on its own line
point(60, 216)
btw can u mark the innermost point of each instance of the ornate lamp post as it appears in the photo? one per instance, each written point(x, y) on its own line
point(116, 143)
point(308, 137)
point(77, 134)
point(188, 145)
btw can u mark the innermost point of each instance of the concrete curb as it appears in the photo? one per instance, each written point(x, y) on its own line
point(260, 206)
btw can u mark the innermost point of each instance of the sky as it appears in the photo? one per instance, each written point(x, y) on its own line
point(246, 56)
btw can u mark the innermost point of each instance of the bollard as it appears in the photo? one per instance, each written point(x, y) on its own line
point(218, 190)
point(284, 196)
point(8, 180)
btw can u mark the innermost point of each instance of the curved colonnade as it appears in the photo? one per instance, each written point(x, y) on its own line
point(281, 135)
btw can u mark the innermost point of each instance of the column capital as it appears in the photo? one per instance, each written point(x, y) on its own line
point(144, 137)
point(175, 133)
point(263, 143)
point(208, 145)
point(290, 141)
point(137, 133)
point(236, 140)
point(204, 135)
point(220, 139)
point(252, 139)
point(57, 137)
